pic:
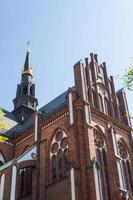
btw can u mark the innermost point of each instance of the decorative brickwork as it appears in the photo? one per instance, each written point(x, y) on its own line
point(77, 147)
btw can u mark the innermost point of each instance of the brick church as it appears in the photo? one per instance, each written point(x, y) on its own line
point(76, 147)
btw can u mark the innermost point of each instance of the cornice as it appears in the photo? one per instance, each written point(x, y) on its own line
point(108, 119)
point(24, 139)
point(51, 122)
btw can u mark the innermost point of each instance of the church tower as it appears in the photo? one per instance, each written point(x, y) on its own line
point(25, 102)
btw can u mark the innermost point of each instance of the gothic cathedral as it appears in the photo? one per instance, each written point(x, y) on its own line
point(79, 146)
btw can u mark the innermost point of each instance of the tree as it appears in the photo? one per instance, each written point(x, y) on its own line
point(128, 82)
point(128, 78)
point(2, 126)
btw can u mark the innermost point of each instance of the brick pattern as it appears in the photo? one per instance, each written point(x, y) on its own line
point(80, 143)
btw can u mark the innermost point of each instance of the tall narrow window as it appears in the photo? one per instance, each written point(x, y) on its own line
point(106, 173)
point(25, 91)
point(60, 162)
point(25, 182)
point(107, 106)
point(54, 167)
point(94, 98)
point(129, 175)
point(66, 162)
point(59, 156)
point(125, 167)
point(101, 103)
point(101, 158)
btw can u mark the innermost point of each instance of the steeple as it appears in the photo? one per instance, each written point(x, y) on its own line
point(25, 102)
point(27, 61)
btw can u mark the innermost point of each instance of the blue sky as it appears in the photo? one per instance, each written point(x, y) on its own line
point(61, 33)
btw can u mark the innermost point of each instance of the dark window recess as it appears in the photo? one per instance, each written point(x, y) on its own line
point(106, 174)
point(103, 166)
point(54, 167)
point(129, 175)
point(107, 106)
point(59, 161)
point(1, 163)
point(94, 98)
point(25, 182)
point(125, 174)
point(101, 103)
point(66, 162)
point(31, 91)
point(25, 91)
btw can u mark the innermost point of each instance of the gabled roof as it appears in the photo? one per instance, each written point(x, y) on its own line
point(54, 106)
point(13, 128)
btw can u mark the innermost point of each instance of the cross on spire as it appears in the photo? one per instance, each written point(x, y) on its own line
point(28, 45)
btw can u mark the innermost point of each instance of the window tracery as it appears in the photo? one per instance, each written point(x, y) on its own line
point(101, 158)
point(125, 166)
point(59, 156)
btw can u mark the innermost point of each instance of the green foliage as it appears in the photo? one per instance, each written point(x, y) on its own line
point(128, 78)
point(3, 139)
point(2, 126)
point(127, 114)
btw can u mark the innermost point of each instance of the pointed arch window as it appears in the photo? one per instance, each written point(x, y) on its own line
point(25, 181)
point(101, 158)
point(125, 166)
point(31, 90)
point(25, 90)
point(94, 98)
point(101, 103)
point(59, 156)
point(107, 106)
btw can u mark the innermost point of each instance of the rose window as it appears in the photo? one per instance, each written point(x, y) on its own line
point(60, 142)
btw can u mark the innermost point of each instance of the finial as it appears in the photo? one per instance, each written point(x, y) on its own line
point(28, 45)
point(27, 69)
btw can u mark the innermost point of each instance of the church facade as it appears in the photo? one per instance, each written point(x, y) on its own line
point(79, 146)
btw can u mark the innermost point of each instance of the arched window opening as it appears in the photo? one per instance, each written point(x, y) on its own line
point(107, 106)
point(22, 182)
point(129, 175)
point(31, 91)
point(60, 166)
point(66, 162)
point(25, 182)
point(93, 74)
point(54, 167)
point(106, 173)
point(25, 90)
point(59, 156)
point(125, 166)
point(101, 158)
point(94, 98)
point(101, 103)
